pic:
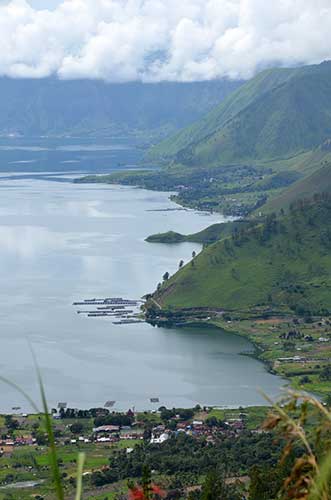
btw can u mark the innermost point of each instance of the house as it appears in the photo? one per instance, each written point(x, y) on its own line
point(107, 428)
point(197, 422)
point(159, 440)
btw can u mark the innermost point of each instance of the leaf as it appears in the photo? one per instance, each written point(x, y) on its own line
point(21, 391)
point(80, 466)
point(50, 434)
point(321, 487)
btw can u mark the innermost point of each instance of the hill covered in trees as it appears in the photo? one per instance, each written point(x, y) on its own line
point(282, 262)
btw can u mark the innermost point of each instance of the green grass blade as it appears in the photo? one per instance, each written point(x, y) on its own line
point(50, 434)
point(21, 391)
point(80, 466)
point(322, 483)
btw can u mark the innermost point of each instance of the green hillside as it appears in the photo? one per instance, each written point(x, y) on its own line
point(318, 182)
point(266, 136)
point(278, 114)
point(205, 237)
point(281, 263)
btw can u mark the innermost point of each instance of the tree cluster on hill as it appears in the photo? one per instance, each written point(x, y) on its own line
point(279, 261)
point(187, 458)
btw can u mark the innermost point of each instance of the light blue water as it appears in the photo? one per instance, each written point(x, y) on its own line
point(61, 242)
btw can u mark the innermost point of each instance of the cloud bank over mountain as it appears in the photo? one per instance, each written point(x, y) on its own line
point(154, 40)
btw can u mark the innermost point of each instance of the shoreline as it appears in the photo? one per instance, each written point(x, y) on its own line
point(266, 354)
point(292, 369)
point(257, 349)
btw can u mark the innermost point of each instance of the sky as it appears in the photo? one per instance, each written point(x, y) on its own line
point(156, 40)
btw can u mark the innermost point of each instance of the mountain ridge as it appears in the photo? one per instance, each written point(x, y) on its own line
point(59, 107)
point(278, 113)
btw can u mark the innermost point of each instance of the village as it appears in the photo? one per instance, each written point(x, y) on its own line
point(154, 427)
point(103, 435)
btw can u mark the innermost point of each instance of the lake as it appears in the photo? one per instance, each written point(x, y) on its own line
point(21, 154)
point(61, 242)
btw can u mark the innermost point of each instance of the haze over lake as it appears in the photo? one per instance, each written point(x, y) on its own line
point(61, 242)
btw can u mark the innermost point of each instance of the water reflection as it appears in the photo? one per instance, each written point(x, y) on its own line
point(60, 242)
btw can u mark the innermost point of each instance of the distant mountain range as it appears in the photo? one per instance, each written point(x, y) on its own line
point(277, 114)
point(263, 153)
point(95, 108)
point(279, 258)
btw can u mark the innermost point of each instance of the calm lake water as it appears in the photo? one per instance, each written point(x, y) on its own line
point(22, 154)
point(61, 242)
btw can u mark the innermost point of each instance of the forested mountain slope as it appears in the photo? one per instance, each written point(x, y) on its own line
point(279, 113)
point(283, 262)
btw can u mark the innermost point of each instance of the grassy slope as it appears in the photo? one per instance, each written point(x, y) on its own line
point(318, 182)
point(277, 114)
point(282, 264)
point(207, 236)
point(229, 108)
point(269, 131)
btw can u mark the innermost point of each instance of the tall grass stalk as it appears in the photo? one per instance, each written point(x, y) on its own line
point(310, 478)
point(80, 467)
point(53, 455)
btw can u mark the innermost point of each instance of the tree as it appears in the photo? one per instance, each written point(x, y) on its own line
point(212, 421)
point(147, 491)
point(147, 433)
point(146, 482)
point(214, 488)
point(326, 373)
point(41, 438)
point(76, 428)
point(194, 254)
point(305, 380)
point(181, 263)
point(288, 345)
point(11, 423)
point(185, 413)
point(166, 276)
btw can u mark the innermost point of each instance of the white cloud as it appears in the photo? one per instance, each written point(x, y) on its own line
point(152, 40)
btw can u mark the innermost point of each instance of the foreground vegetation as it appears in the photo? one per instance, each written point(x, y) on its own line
point(251, 453)
point(114, 458)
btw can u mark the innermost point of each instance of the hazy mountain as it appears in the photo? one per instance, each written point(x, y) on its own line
point(89, 107)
